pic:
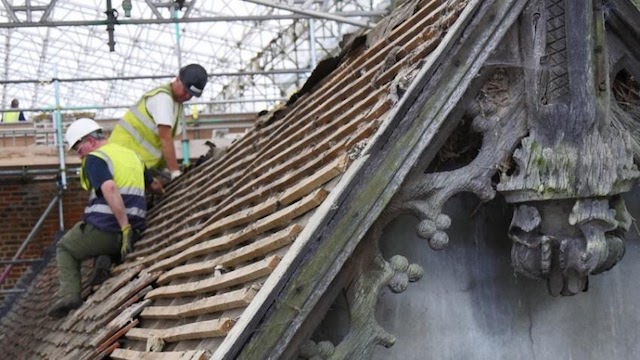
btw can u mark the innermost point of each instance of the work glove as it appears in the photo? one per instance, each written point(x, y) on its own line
point(175, 174)
point(127, 241)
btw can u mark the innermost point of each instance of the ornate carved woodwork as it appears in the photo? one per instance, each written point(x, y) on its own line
point(554, 142)
point(498, 114)
point(374, 273)
point(568, 221)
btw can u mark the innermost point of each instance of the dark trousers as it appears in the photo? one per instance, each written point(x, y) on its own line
point(82, 242)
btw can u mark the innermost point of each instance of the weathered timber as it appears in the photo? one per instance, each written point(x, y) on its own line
point(244, 217)
point(319, 178)
point(104, 353)
point(392, 155)
point(198, 330)
point(342, 82)
point(233, 278)
point(502, 127)
point(124, 354)
point(574, 163)
point(119, 322)
point(113, 284)
point(208, 305)
point(107, 344)
point(270, 169)
point(191, 247)
point(235, 257)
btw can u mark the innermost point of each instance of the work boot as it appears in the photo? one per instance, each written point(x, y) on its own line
point(101, 270)
point(65, 304)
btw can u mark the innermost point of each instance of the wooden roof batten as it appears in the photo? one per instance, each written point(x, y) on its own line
point(243, 250)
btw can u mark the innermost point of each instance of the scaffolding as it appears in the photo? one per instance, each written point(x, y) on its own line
point(63, 55)
point(256, 49)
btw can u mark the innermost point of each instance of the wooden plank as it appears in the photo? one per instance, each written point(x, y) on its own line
point(209, 192)
point(231, 205)
point(198, 330)
point(233, 278)
point(231, 300)
point(118, 322)
point(228, 165)
point(191, 248)
point(245, 216)
point(117, 335)
point(316, 180)
point(377, 53)
point(113, 284)
point(204, 213)
point(104, 353)
point(343, 106)
point(126, 354)
point(269, 168)
point(345, 80)
point(236, 218)
point(284, 216)
point(164, 241)
point(301, 163)
point(109, 306)
point(215, 187)
point(217, 244)
point(210, 204)
point(245, 253)
point(388, 74)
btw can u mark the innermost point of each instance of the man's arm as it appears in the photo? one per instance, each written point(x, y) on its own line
point(161, 107)
point(168, 150)
point(152, 184)
point(112, 195)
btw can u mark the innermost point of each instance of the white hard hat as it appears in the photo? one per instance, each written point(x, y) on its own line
point(79, 129)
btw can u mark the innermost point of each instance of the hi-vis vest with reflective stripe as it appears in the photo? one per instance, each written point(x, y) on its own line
point(11, 116)
point(138, 131)
point(128, 173)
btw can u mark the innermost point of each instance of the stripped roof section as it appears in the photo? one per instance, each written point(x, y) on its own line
point(224, 227)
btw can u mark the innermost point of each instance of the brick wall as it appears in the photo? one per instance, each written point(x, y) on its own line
point(21, 205)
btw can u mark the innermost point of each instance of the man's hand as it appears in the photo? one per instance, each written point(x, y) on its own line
point(127, 241)
point(156, 187)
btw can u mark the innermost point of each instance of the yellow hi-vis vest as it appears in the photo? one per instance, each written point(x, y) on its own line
point(11, 117)
point(127, 171)
point(138, 131)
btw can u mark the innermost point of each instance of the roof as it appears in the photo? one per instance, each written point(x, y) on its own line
point(228, 232)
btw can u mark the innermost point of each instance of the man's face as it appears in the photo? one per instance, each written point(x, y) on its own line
point(85, 146)
point(180, 93)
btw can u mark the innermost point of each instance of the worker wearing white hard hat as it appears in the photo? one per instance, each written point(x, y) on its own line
point(116, 178)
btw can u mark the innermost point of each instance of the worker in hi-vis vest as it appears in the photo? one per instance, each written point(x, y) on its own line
point(15, 115)
point(149, 126)
point(116, 178)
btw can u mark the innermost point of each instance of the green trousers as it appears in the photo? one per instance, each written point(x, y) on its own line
point(82, 242)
